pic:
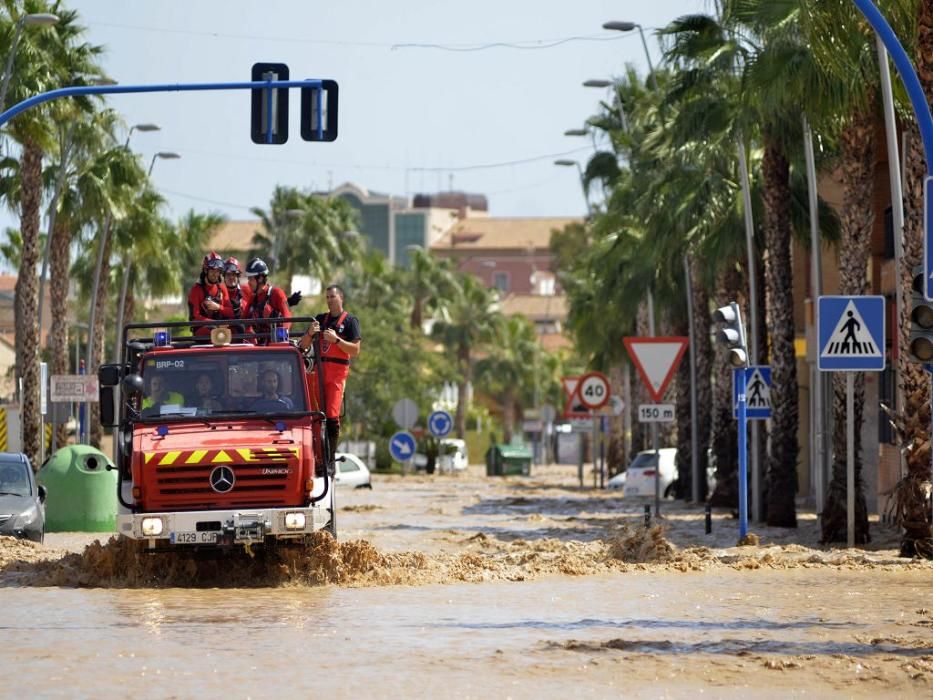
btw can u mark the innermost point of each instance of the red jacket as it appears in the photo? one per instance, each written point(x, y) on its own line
point(201, 292)
point(269, 302)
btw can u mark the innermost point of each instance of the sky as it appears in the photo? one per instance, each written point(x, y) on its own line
point(433, 94)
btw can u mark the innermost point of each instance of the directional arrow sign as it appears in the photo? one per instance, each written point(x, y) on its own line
point(402, 446)
point(656, 360)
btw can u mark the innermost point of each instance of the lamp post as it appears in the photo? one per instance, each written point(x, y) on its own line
point(566, 163)
point(42, 19)
point(627, 27)
point(125, 282)
point(601, 83)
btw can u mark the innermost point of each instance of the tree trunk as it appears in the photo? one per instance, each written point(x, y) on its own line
point(460, 417)
point(704, 359)
point(59, 263)
point(684, 483)
point(911, 505)
point(782, 463)
point(858, 218)
point(101, 298)
point(27, 300)
point(617, 457)
point(723, 430)
point(508, 416)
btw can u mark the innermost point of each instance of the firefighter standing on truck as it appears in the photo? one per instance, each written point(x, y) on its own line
point(339, 342)
point(239, 295)
point(208, 297)
point(265, 300)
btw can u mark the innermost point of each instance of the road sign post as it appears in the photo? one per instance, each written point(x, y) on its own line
point(739, 373)
point(851, 339)
point(656, 359)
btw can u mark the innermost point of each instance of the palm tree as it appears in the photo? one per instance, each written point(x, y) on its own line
point(47, 58)
point(471, 321)
point(305, 233)
point(510, 367)
point(430, 284)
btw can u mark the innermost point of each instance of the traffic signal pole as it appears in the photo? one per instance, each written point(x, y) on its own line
point(743, 452)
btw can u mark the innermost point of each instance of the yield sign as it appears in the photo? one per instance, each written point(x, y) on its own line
point(573, 407)
point(656, 360)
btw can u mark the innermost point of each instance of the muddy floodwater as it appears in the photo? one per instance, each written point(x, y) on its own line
point(467, 587)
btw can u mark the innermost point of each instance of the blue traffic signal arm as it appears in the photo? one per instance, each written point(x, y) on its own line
point(168, 87)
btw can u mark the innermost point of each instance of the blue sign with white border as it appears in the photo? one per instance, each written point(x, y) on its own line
point(402, 446)
point(440, 423)
point(757, 392)
point(850, 333)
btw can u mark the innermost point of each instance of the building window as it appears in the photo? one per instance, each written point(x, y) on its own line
point(500, 280)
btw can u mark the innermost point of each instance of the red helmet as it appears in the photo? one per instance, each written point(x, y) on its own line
point(212, 261)
point(231, 264)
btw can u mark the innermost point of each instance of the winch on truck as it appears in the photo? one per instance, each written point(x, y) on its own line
point(218, 440)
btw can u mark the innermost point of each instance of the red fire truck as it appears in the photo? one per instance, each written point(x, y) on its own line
point(217, 438)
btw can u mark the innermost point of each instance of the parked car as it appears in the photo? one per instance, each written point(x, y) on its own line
point(352, 472)
point(453, 455)
point(22, 501)
point(638, 478)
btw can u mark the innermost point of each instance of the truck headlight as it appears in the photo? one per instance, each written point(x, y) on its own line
point(152, 527)
point(294, 521)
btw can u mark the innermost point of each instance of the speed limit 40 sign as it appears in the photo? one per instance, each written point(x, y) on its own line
point(594, 390)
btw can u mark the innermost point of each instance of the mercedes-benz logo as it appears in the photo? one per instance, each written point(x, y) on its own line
point(222, 479)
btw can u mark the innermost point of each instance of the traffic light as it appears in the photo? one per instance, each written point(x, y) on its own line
point(319, 112)
point(920, 346)
point(269, 108)
point(732, 334)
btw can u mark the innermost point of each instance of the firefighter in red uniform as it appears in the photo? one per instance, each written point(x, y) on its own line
point(339, 342)
point(208, 297)
point(265, 301)
point(239, 295)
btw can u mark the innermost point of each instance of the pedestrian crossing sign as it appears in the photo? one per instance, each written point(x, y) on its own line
point(851, 333)
point(757, 392)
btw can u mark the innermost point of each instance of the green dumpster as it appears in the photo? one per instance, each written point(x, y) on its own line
point(82, 492)
point(507, 460)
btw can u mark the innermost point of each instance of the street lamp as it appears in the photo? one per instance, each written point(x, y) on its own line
point(165, 155)
point(576, 132)
point(597, 83)
point(566, 163)
point(41, 19)
point(627, 27)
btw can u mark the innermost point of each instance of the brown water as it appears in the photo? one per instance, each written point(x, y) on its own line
point(518, 589)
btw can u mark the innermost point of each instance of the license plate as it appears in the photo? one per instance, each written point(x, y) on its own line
point(193, 537)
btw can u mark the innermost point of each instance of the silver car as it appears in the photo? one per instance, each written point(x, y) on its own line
point(22, 502)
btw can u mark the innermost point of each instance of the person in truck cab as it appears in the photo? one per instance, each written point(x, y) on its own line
point(270, 399)
point(205, 400)
point(159, 395)
point(265, 300)
point(208, 297)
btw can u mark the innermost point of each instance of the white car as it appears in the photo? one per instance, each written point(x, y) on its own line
point(638, 479)
point(453, 455)
point(640, 473)
point(351, 471)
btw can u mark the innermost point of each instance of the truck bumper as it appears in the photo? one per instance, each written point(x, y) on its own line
point(223, 527)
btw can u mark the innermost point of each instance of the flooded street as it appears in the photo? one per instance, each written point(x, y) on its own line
point(462, 586)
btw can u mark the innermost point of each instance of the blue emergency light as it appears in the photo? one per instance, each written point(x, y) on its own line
point(161, 339)
point(280, 335)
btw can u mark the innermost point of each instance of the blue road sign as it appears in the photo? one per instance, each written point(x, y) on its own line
point(757, 392)
point(402, 446)
point(440, 423)
point(851, 334)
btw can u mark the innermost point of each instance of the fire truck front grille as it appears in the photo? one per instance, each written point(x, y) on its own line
point(249, 484)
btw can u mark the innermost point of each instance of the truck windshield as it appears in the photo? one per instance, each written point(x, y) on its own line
point(209, 383)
